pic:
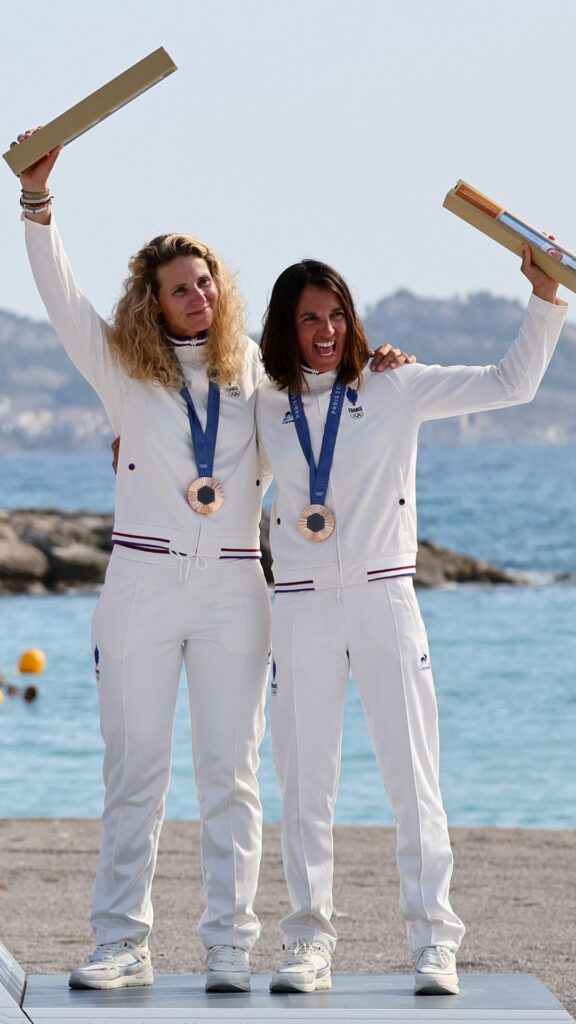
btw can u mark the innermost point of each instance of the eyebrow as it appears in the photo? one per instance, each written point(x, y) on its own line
point(184, 284)
point(313, 312)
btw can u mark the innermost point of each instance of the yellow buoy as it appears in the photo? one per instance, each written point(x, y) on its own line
point(33, 661)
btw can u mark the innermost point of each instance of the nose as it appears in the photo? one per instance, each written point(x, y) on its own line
point(197, 297)
point(326, 329)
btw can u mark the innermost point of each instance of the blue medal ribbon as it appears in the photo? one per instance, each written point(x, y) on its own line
point(319, 476)
point(204, 441)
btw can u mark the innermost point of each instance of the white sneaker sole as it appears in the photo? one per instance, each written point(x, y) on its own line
point(227, 981)
point(79, 980)
point(284, 981)
point(436, 984)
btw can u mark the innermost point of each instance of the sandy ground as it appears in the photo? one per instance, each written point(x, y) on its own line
point(514, 888)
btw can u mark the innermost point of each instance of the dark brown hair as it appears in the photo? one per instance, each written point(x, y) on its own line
point(279, 340)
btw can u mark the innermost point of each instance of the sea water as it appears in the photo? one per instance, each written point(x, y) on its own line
point(504, 657)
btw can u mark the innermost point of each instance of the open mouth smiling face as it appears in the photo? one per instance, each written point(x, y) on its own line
point(321, 328)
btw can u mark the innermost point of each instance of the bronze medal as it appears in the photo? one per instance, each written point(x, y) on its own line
point(205, 495)
point(316, 523)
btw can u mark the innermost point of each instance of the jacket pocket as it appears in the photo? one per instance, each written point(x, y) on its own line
point(401, 500)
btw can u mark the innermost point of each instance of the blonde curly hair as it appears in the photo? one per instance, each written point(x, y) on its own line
point(136, 332)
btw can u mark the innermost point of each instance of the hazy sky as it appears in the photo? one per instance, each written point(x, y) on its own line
point(298, 128)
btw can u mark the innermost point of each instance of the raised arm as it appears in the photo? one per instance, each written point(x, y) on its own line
point(436, 392)
point(81, 330)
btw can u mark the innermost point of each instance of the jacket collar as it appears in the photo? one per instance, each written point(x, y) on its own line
point(189, 351)
point(316, 381)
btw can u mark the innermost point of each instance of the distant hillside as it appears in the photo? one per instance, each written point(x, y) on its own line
point(44, 403)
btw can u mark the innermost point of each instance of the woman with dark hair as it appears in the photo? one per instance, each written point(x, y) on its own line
point(342, 445)
point(178, 379)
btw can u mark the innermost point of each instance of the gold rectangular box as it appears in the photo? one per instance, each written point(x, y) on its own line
point(511, 231)
point(90, 111)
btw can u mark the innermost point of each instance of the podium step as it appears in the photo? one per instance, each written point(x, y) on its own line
point(180, 999)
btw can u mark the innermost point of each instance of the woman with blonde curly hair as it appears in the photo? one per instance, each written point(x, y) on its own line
point(138, 333)
point(184, 584)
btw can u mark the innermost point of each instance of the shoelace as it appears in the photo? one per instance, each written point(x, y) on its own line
point(296, 951)
point(432, 956)
point(227, 958)
point(107, 951)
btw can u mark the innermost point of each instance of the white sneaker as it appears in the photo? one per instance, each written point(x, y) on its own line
point(115, 965)
point(227, 969)
point(305, 968)
point(435, 968)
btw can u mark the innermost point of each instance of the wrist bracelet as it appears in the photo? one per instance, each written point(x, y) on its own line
point(34, 204)
point(37, 209)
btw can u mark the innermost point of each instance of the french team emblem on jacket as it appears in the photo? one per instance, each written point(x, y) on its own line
point(355, 411)
point(288, 417)
point(232, 390)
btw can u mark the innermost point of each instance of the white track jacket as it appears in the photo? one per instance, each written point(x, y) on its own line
point(372, 489)
point(157, 462)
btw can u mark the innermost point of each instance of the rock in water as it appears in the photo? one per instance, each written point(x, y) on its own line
point(46, 549)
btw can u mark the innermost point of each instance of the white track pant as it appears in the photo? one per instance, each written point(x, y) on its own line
point(152, 618)
point(376, 632)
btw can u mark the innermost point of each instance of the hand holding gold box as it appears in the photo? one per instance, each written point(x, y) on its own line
point(92, 110)
point(507, 229)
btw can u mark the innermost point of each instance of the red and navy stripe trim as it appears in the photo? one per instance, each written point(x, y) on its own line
point(192, 341)
point(236, 553)
point(161, 545)
point(141, 542)
point(295, 587)
point(392, 573)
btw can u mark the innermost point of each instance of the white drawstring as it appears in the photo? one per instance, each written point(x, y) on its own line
point(183, 560)
point(185, 564)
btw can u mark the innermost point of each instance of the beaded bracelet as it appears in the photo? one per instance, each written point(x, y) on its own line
point(31, 204)
point(26, 201)
point(34, 197)
point(37, 208)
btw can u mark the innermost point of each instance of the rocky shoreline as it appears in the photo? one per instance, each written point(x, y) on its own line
point(50, 551)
